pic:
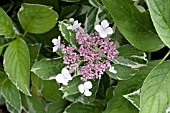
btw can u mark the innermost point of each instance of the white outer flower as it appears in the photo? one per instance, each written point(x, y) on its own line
point(104, 29)
point(75, 26)
point(84, 88)
point(111, 69)
point(64, 77)
point(56, 43)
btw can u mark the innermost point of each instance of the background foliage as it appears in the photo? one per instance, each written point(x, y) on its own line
point(141, 33)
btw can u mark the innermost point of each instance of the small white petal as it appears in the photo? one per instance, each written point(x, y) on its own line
point(111, 69)
point(103, 34)
point(55, 41)
point(65, 82)
point(109, 30)
point(59, 38)
point(140, 8)
point(87, 93)
point(114, 71)
point(76, 25)
point(69, 77)
point(81, 88)
point(98, 28)
point(105, 24)
point(70, 27)
point(59, 78)
point(71, 19)
point(65, 71)
point(55, 48)
point(87, 85)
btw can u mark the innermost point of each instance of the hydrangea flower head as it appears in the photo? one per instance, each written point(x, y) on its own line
point(56, 43)
point(64, 77)
point(104, 29)
point(84, 88)
point(95, 51)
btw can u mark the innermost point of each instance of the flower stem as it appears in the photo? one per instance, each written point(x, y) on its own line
point(10, 8)
point(165, 57)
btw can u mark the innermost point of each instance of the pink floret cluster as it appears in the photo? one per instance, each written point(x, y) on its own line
point(70, 56)
point(95, 52)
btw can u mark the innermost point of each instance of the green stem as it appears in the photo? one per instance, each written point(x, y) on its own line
point(26, 39)
point(25, 33)
point(7, 5)
point(165, 57)
point(10, 8)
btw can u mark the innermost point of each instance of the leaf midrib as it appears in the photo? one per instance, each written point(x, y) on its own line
point(32, 20)
point(166, 23)
point(159, 89)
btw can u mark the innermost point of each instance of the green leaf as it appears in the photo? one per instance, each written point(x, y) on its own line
point(68, 11)
point(34, 50)
point(51, 90)
point(118, 104)
point(17, 64)
point(35, 18)
point(82, 108)
point(48, 88)
point(57, 106)
point(160, 10)
point(54, 3)
point(135, 26)
point(155, 90)
point(94, 16)
point(47, 68)
point(32, 104)
point(11, 94)
point(72, 87)
point(109, 93)
point(69, 35)
point(90, 20)
point(11, 109)
point(72, 93)
point(123, 72)
point(70, 0)
point(94, 3)
point(1, 49)
point(102, 14)
point(3, 77)
point(37, 81)
point(42, 38)
point(134, 98)
point(2, 99)
point(7, 27)
point(134, 58)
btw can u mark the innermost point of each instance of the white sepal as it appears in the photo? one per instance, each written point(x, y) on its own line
point(104, 29)
point(75, 26)
point(111, 69)
point(64, 77)
point(81, 88)
point(84, 88)
point(56, 43)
